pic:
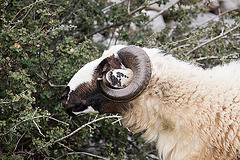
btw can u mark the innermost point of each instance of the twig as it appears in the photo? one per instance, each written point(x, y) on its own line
point(31, 5)
point(213, 39)
point(120, 23)
point(207, 58)
point(55, 86)
point(179, 41)
point(19, 141)
point(15, 126)
point(5, 102)
point(48, 78)
point(58, 121)
point(52, 4)
point(43, 116)
point(27, 13)
point(49, 83)
point(23, 152)
point(221, 14)
point(161, 12)
point(143, 6)
point(79, 2)
point(182, 46)
point(140, 149)
point(217, 57)
point(36, 123)
point(145, 24)
point(100, 30)
point(65, 146)
point(38, 128)
point(87, 124)
point(106, 9)
point(89, 154)
point(117, 121)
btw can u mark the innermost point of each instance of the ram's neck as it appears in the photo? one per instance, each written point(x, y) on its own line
point(162, 111)
point(172, 84)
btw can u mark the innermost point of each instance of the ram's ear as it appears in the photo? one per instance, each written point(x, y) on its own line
point(113, 73)
point(108, 64)
point(119, 78)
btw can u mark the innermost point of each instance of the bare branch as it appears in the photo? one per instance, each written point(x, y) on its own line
point(160, 13)
point(36, 123)
point(5, 102)
point(38, 128)
point(118, 121)
point(23, 152)
point(66, 147)
point(86, 124)
point(55, 86)
point(58, 120)
point(207, 58)
point(89, 154)
point(221, 14)
point(31, 5)
point(182, 46)
point(25, 120)
point(230, 56)
point(48, 80)
point(77, 5)
point(19, 141)
point(100, 30)
point(15, 126)
point(106, 9)
point(213, 39)
point(143, 6)
point(20, 21)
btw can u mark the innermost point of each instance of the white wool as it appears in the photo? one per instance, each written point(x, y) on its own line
point(83, 75)
point(86, 72)
point(190, 113)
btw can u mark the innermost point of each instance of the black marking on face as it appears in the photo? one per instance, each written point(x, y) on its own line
point(119, 75)
point(116, 79)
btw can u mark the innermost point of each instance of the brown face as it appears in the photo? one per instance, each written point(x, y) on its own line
point(86, 97)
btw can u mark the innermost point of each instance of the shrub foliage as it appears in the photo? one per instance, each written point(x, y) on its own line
point(44, 43)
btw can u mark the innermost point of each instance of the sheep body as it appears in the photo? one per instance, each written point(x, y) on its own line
point(189, 112)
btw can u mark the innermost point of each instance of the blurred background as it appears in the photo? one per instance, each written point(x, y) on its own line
point(44, 43)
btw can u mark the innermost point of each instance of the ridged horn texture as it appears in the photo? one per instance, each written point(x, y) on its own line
point(138, 61)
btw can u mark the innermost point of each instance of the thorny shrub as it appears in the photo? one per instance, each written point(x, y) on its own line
point(44, 43)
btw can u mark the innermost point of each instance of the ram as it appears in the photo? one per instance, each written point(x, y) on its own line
point(190, 113)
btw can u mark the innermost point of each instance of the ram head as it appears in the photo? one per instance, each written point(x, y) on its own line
point(108, 84)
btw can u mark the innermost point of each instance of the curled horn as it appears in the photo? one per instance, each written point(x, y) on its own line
point(138, 61)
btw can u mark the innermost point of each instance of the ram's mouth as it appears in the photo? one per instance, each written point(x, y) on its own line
point(74, 109)
point(69, 111)
point(77, 111)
